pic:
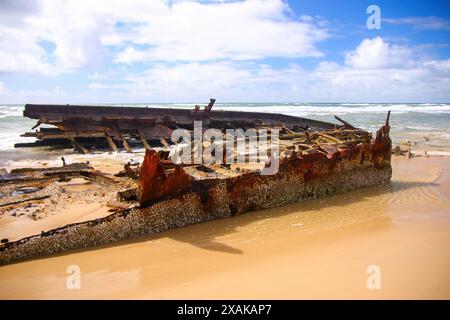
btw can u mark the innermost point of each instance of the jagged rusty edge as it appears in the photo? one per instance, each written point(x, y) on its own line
point(155, 184)
point(313, 165)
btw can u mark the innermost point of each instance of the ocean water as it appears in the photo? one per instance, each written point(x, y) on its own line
point(425, 125)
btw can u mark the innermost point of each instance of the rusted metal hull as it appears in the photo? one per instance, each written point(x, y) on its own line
point(120, 126)
point(91, 118)
point(170, 199)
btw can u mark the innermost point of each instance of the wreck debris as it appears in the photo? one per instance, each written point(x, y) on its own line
point(24, 200)
point(346, 124)
point(76, 144)
point(317, 159)
point(125, 144)
point(111, 143)
point(320, 153)
point(84, 127)
point(190, 199)
point(155, 184)
point(34, 184)
point(409, 154)
point(143, 139)
point(30, 184)
point(39, 174)
point(127, 195)
point(130, 172)
point(25, 190)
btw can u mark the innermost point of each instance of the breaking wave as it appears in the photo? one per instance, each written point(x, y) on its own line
point(406, 119)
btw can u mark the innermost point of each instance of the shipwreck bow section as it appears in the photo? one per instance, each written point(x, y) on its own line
point(314, 164)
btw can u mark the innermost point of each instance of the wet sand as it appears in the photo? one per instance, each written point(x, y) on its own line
point(314, 249)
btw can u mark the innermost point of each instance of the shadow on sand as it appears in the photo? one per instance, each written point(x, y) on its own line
point(330, 213)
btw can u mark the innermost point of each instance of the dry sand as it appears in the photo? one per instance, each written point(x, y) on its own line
point(315, 249)
point(73, 201)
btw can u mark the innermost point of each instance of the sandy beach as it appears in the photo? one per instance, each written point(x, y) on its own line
point(313, 249)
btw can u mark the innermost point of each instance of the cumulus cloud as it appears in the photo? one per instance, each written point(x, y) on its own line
point(13, 12)
point(190, 31)
point(74, 32)
point(366, 76)
point(19, 52)
point(80, 33)
point(377, 54)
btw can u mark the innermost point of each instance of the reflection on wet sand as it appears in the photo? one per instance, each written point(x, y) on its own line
point(314, 249)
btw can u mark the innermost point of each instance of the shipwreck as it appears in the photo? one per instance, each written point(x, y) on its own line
point(314, 159)
point(87, 127)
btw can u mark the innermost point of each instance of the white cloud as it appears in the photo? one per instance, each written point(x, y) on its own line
point(79, 33)
point(423, 23)
point(96, 76)
point(19, 52)
point(13, 12)
point(189, 31)
point(74, 29)
point(96, 86)
point(439, 67)
point(191, 81)
point(376, 81)
point(377, 54)
point(2, 88)
point(47, 95)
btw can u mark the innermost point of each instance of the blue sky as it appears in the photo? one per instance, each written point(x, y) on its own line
point(54, 51)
